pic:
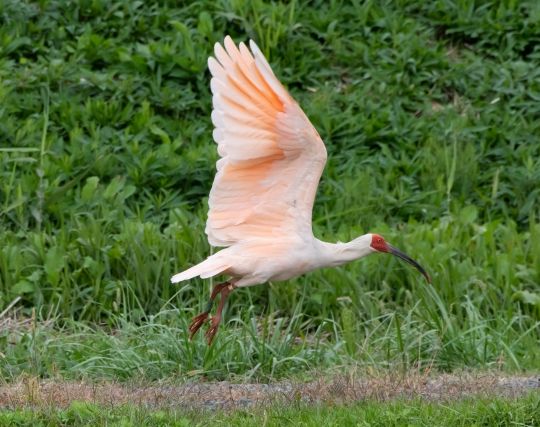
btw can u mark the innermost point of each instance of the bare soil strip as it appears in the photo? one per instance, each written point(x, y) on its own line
point(31, 392)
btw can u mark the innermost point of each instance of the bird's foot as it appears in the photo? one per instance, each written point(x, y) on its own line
point(212, 330)
point(196, 323)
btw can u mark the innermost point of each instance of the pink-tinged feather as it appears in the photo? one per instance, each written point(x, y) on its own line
point(222, 56)
point(258, 54)
point(216, 69)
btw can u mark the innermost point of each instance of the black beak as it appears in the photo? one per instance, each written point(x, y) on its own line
point(407, 258)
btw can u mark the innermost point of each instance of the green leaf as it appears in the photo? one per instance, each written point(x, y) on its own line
point(54, 263)
point(89, 188)
point(23, 287)
point(114, 187)
point(468, 215)
point(205, 25)
point(161, 133)
point(127, 192)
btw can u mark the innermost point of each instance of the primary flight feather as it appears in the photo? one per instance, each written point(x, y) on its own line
point(262, 197)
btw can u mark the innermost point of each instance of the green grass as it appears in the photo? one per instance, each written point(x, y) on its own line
point(431, 115)
point(478, 412)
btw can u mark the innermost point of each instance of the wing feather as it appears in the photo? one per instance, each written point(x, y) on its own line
point(271, 156)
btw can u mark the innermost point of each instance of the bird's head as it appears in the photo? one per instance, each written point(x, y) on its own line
point(378, 244)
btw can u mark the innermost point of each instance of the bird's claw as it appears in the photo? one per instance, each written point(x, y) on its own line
point(212, 330)
point(196, 323)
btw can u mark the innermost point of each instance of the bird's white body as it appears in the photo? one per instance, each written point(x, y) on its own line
point(261, 261)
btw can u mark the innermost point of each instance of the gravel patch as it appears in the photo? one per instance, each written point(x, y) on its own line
point(31, 392)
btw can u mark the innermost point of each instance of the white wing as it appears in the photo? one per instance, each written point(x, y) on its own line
point(271, 155)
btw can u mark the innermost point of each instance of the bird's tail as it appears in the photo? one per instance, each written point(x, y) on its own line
point(209, 267)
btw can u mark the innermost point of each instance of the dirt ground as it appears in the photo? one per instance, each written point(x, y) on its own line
point(30, 392)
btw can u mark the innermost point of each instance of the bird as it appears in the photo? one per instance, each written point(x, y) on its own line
point(261, 200)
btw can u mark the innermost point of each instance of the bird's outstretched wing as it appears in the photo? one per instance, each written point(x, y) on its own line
point(271, 155)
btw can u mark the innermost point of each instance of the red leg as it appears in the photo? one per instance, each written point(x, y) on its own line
point(199, 320)
point(214, 325)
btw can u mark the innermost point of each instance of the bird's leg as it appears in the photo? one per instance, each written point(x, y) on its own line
point(214, 323)
point(198, 320)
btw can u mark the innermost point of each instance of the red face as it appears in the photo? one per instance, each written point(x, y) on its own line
point(378, 243)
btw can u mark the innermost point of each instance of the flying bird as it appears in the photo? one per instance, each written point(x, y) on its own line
point(262, 197)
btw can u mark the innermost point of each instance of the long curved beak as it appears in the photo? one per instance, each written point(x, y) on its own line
point(408, 259)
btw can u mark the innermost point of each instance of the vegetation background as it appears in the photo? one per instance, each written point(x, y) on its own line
point(431, 115)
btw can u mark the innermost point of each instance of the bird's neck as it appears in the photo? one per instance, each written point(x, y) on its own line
point(334, 254)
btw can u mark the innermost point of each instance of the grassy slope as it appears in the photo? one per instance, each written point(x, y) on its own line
point(431, 117)
point(493, 412)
